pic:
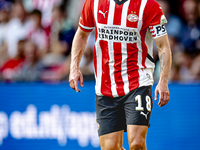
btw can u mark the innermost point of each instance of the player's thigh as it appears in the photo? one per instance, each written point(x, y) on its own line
point(137, 135)
point(112, 140)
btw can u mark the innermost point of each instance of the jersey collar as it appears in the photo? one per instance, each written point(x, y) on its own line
point(119, 3)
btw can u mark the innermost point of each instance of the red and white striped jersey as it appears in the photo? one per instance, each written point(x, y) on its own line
point(123, 42)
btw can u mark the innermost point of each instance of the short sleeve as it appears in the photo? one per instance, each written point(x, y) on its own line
point(156, 19)
point(86, 21)
point(156, 15)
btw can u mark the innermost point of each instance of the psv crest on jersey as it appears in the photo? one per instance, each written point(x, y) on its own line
point(132, 17)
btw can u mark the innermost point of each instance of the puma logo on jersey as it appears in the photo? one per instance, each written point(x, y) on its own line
point(142, 113)
point(104, 14)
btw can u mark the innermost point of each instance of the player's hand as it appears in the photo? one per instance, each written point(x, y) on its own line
point(163, 91)
point(74, 77)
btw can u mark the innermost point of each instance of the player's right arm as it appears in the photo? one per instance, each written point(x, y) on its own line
point(78, 47)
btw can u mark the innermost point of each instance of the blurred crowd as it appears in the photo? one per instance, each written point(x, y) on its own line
point(36, 38)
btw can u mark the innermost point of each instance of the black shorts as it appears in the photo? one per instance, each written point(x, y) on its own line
point(114, 114)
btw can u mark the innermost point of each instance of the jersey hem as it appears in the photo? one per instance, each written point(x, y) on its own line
point(99, 94)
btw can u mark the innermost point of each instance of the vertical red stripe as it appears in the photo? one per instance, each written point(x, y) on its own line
point(117, 53)
point(132, 68)
point(105, 79)
point(134, 8)
point(103, 7)
point(117, 14)
point(132, 49)
point(144, 47)
point(118, 68)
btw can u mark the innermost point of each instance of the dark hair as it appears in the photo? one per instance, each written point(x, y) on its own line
point(36, 12)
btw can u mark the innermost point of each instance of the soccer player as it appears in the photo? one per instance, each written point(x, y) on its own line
point(123, 64)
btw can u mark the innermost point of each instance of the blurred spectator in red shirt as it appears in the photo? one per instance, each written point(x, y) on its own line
point(10, 68)
point(31, 67)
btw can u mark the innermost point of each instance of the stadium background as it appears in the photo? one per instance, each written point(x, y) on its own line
point(38, 110)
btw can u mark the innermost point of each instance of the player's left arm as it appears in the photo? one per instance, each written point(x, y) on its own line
point(165, 57)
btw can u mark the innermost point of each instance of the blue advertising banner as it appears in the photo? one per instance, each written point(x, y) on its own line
point(38, 116)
